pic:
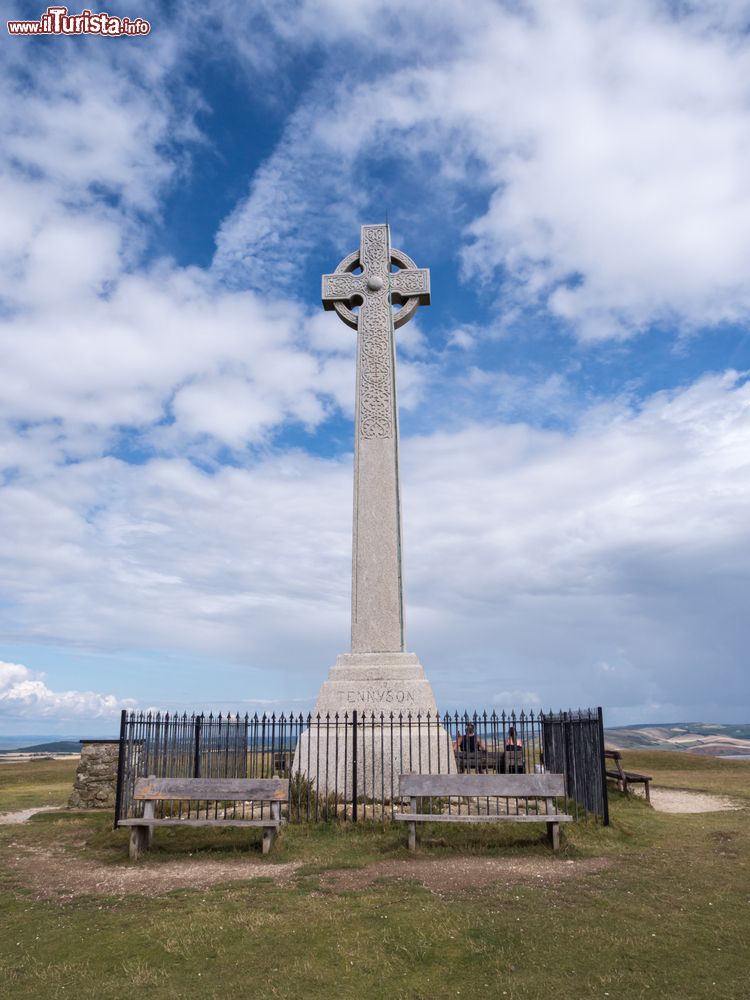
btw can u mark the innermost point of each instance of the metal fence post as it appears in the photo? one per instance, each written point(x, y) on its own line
point(354, 765)
point(603, 761)
point(120, 766)
point(197, 750)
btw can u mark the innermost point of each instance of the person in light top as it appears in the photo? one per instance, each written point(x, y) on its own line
point(513, 742)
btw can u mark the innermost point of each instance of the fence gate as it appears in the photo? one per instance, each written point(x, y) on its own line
point(573, 744)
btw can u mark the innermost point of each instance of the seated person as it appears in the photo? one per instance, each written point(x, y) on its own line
point(514, 762)
point(513, 742)
point(469, 741)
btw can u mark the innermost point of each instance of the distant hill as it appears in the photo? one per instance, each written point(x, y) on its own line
point(18, 741)
point(708, 738)
point(58, 746)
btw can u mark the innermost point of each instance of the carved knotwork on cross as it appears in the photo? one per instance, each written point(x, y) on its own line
point(376, 290)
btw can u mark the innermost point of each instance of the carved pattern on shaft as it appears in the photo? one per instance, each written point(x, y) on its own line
point(376, 342)
point(376, 374)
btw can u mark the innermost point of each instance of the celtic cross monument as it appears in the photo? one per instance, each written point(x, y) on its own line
point(378, 680)
point(378, 675)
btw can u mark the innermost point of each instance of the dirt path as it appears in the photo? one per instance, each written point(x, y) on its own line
point(671, 800)
point(10, 819)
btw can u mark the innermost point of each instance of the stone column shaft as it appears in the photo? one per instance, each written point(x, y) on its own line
point(377, 592)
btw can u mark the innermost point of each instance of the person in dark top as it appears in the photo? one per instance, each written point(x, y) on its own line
point(469, 741)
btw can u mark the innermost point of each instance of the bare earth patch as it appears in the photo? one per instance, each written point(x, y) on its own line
point(55, 874)
point(457, 873)
point(670, 800)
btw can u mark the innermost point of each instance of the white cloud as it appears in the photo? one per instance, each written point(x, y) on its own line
point(102, 122)
point(623, 541)
point(507, 395)
point(262, 243)
point(607, 142)
point(250, 564)
point(25, 695)
point(516, 699)
point(91, 340)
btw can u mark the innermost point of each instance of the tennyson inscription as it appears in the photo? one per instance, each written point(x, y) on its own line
point(380, 696)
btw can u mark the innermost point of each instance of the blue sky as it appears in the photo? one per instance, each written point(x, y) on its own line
point(176, 408)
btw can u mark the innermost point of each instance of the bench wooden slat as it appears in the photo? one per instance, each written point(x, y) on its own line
point(213, 789)
point(616, 756)
point(629, 776)
point(466, 759)
point(624, 778)
point(200, 822)
point(453, 818)
point(466, 785)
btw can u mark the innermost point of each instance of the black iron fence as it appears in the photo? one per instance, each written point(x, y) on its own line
point(348, 766)
point(178, 746)
point(573, 744)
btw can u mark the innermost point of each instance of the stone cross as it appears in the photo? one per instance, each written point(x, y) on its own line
point(367, 279)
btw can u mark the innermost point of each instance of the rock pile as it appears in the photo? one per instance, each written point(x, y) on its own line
point(96, 777)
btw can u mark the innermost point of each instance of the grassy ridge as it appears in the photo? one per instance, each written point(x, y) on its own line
point(667, 918)
point(686, 736)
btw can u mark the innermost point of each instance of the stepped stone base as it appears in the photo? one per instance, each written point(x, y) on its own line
point(376, 682)
point(391, 685)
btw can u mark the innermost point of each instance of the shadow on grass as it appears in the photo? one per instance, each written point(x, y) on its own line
point(324, 846)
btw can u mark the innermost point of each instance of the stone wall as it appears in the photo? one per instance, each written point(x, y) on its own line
point(95, 783)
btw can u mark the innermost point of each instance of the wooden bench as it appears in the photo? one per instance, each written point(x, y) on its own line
point(480, 760)
point(625, 778)
point(508, 786)
point(514, 761)
point(282, 761)
point(508, 761)
point(216, 790)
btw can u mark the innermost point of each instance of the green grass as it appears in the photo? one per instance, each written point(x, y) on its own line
point(36, 783)
point(667, 918)
point(691, 772)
